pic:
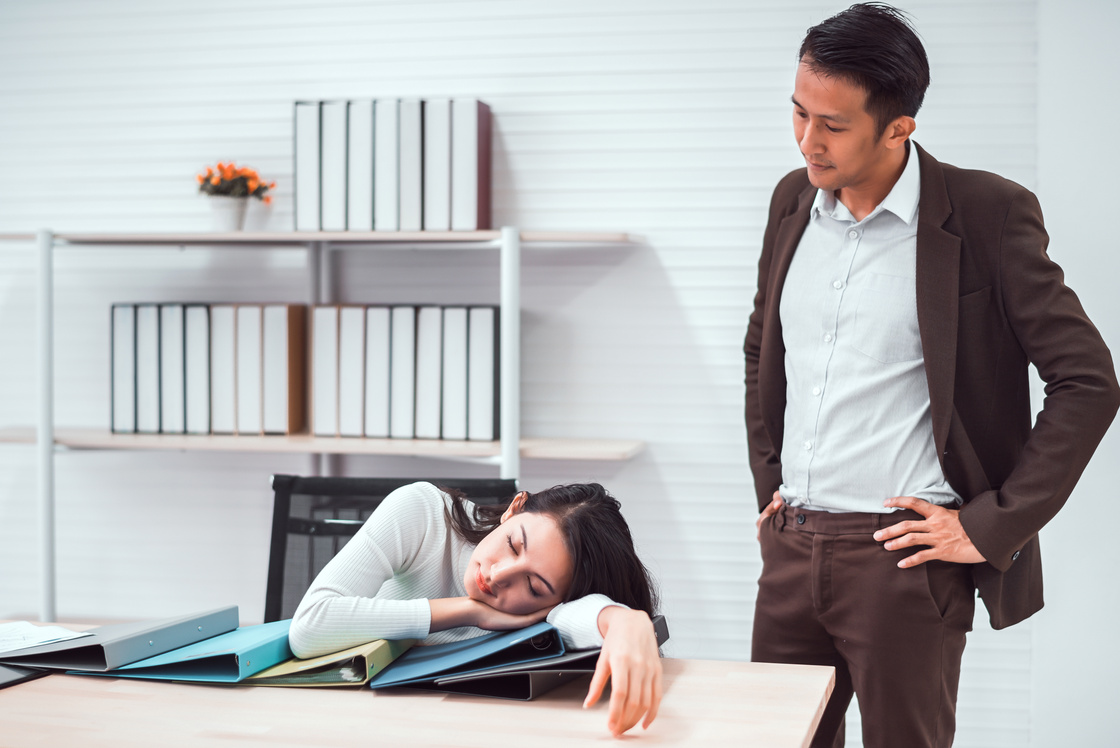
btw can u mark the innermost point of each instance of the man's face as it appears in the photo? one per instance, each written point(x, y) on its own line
point(836, 135)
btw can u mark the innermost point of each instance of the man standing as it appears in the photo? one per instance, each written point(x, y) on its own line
point(900, 301)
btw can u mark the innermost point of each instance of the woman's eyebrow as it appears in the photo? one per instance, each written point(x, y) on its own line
point(525, 547)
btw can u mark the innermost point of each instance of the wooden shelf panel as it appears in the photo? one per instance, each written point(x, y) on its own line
point(543, 449)
point(299, 238)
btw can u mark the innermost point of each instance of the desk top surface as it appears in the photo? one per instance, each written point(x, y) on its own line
point(705, 703)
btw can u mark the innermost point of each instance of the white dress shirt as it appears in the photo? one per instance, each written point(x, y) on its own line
point(857, 422)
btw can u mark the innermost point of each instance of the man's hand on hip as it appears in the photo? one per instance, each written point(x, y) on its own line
point(769, 511)
point(941, 530)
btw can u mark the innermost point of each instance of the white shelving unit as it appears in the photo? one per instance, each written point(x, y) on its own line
point(506, 453)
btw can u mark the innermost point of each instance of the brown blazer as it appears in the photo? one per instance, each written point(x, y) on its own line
point(990, 301)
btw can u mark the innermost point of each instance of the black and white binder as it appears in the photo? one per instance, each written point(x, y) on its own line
point(454, 400)
point(386, 165)
point(333, 154)
point(359, 168)
point(147, 369)
point(351, 370)
point(429, 371)
point(378, 353)
point(437, 165)
point(470, 165)
point(123, 369)
point(223, 369)
point(172, 369)
point(402, 384)
point(196, 339)
point(483, 374)
point(411, 178)
point(307, 165)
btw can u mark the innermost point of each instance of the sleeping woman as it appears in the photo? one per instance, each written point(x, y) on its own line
point(428, 564)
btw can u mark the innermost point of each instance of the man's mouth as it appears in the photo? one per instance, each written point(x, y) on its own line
point(481, 583)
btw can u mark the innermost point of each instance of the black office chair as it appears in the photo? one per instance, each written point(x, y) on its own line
point(312, 518)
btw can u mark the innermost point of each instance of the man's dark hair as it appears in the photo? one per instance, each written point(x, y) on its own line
point(872, 46)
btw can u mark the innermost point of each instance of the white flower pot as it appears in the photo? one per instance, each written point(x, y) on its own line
point(227, 213)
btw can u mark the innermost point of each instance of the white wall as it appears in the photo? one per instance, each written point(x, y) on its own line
point(666, 118)
point(1075, 659)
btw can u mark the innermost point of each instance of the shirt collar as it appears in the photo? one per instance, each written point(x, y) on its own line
point(902, 200)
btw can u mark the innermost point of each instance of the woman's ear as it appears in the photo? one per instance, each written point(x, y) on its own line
point(516, 505)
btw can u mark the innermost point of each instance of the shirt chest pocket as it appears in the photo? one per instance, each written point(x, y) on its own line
point(886, 320)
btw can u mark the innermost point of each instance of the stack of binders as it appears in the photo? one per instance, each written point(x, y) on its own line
point(392, 165)
point(208, 368)
point(424, 372)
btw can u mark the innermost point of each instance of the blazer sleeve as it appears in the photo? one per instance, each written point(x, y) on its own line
point(764, 454)
point(1081, 398)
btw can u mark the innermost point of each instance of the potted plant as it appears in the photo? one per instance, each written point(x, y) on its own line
point(229, 187)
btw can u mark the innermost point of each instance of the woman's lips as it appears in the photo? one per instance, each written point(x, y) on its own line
point(481, 583)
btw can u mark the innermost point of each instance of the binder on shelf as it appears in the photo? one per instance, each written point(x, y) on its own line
point(332, 185)
point(425, 667)
point(349, 667)
point(147, 369)
point(324, 370)
point(454, 400)
point(196, 361)
point(429, 371)
point(359, 168)
point(284, 366)
point(230, 657)
point(483, 374)
point(402, 373)
point(172, 369)
point(122, 405)
point(411, 179)
point(437, 165)
point(223, 369)
point(351, 370)
point(119, 644)
point(307, 123)
point(471, 127)
point(248, 368)
point(386, 165)
point(378, 349)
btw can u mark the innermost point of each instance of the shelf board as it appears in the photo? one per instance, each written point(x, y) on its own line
point(299, 238)
point(543, 449)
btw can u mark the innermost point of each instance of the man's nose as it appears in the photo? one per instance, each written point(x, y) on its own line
point(810, 141)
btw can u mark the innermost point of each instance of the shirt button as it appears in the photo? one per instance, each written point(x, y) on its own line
point(828, 337)
point(816, 390)
point(853, 234)
point(801, 519)
point(808, 446)
point(837, 285)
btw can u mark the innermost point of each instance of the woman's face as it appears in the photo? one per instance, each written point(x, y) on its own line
point(522, 566)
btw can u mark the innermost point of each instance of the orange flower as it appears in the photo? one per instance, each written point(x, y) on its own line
point(253, 185)
point(272, 185)
point(201, 178)
point(215, 180)
point(267, 199)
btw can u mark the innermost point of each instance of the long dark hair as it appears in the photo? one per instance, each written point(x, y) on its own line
point(603, 557)
point(873, 46)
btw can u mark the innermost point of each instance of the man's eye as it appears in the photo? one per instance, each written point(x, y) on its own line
point(830, 128)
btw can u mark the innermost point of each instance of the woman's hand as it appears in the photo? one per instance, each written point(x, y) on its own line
point(630, 659)
point(452, 612)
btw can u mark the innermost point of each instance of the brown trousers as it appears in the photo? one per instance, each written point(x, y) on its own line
point(830, 594)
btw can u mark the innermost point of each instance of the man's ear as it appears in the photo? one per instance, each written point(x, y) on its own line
point(899, 131)
point(516, 505)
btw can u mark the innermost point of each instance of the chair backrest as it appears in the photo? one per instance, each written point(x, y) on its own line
point(313, 517)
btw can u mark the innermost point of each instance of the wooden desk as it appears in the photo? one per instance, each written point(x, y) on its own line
point(706, 703)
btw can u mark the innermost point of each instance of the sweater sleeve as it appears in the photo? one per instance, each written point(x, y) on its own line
point(341, 608)
point(578, 621)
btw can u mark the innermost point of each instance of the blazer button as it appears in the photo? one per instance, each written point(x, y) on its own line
point(801, 519)
point(1015, 555)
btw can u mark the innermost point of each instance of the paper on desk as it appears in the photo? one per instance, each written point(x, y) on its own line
point(21, 634)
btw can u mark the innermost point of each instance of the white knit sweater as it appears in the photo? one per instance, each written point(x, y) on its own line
point(379, 584)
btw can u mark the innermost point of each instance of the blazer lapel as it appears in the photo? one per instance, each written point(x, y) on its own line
point(772, 376)
point(938, 269)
